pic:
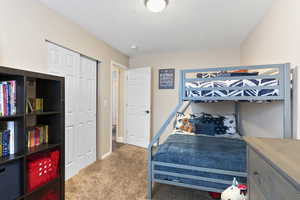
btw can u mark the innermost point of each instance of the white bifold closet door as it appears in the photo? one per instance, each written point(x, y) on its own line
point(80, 106)
point(86, 124)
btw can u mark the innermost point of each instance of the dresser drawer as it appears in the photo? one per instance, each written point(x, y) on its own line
point(254, 191)
point(266, 179)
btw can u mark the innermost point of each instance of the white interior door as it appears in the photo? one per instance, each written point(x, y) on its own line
point(66, 63)
point(138, 106)
point(87, 113)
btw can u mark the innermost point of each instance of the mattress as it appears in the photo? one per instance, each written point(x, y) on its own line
point(214, 88)
point(201, 151)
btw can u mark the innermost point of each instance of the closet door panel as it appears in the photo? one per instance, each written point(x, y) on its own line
point(69, 67)
point(63, 62)
point(80, 105)
point(87, 111)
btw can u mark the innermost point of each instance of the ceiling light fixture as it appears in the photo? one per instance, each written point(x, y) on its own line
point(133, 46)
point(156, 5)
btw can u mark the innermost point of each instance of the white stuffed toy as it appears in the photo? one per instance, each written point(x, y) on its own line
point(234, 192)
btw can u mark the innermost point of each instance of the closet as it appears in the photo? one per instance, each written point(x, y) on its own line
point(80, 75)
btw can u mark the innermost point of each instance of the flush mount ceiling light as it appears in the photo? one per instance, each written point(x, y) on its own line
point(156, 5)
point(134, 46)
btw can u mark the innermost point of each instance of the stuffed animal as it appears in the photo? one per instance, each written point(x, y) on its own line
point(235, 192)
point(186, 125)
point(183, 123)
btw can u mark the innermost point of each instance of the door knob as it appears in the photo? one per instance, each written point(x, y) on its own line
point(147, 111)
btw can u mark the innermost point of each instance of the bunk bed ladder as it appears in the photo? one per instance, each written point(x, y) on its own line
point(156, 140)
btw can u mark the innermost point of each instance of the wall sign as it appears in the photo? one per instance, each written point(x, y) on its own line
point(166, 78)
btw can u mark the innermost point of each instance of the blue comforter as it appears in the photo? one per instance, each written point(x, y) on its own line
point(201, 151)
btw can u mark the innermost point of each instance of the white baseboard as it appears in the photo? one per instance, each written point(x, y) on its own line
point(105, 155)
point(120, 139)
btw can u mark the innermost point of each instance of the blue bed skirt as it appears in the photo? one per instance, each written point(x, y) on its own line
point(200, 151)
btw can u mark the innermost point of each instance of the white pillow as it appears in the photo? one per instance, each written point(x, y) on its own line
point(230, 123)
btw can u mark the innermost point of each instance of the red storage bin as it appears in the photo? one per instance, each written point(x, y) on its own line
point(42, 168)
point(50, 195)
point(51, 192)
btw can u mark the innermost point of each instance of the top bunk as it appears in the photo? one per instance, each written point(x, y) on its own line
point(243, 83)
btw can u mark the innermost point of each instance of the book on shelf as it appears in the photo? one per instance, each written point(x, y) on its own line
point(8, 98)
point(11, 128)
point(0, 144)
point(37, 135)
point(5, 143)
point(34, 105)
point(7, 138)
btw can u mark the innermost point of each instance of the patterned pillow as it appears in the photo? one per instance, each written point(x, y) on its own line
point(212, 74)
point(208, 124)
point(230, 123)
point(182, 123)
point(214, 125)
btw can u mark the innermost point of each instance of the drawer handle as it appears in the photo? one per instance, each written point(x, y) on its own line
point(2, 171)
point(256, 174)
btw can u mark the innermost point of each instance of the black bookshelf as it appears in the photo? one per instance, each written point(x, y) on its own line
point(51, 90)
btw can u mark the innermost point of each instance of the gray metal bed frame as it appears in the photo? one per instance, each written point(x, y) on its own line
point(284, 77)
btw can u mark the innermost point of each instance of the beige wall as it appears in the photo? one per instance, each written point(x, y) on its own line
point(276, 40)
point(24, 27)
point(164, 101)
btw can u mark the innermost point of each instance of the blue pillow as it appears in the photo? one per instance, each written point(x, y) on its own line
point(208, 124)
point(244, 74)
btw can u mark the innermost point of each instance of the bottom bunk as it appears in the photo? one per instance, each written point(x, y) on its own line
point(200, 162)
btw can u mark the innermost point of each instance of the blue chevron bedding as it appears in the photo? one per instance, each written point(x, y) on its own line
point(191, 88)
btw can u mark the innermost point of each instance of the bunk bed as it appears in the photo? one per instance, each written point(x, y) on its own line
point(210, 163)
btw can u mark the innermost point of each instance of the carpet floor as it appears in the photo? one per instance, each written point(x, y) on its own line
point(123, 176)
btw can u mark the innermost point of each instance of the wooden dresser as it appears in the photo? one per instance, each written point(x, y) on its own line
point(273, 169)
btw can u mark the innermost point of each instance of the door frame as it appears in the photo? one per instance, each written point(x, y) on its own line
point(116, 64)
